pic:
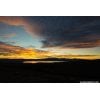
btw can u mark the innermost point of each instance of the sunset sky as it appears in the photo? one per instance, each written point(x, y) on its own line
point(45, 37)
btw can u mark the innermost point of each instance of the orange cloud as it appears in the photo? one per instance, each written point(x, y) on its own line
point(20, 21)
point(11, 20)
point(16, 52)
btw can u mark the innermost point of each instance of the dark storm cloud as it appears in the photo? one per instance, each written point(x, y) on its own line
point(71, 32)
point(64, 32)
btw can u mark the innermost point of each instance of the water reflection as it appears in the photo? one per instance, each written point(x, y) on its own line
point(33, 62)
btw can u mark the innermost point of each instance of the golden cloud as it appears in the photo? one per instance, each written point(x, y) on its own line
point(16, 52)
point(8, 51)
point(89, 57)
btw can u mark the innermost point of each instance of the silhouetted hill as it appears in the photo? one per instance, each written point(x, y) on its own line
point(72, 70)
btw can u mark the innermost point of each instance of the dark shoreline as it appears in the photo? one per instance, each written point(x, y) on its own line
point(73, 71)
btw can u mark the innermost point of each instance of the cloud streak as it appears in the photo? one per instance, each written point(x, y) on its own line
point(16, 52)
point(31, 28)
point(9, 35)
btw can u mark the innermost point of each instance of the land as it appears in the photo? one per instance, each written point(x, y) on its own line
point(69, 71)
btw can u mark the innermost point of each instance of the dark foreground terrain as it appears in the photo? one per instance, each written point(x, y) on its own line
point(73, 71)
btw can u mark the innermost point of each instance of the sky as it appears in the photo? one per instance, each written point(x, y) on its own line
point(38, 37)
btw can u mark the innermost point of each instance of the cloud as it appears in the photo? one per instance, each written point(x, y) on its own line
point(89, 57)
point(73, 40)
point(11, 20)
point(7, 48)
point(8, 51)
point(16, 52)
point(9, 35)
point(82, 32)
point(61, 31)
point(31, 28)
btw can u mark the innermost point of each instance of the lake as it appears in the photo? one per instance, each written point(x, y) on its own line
point(42, 62)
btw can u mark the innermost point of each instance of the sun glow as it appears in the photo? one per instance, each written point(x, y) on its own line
point(26, 54)
point(30, 54)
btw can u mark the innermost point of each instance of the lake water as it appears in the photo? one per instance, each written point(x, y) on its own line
point(32, 62)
